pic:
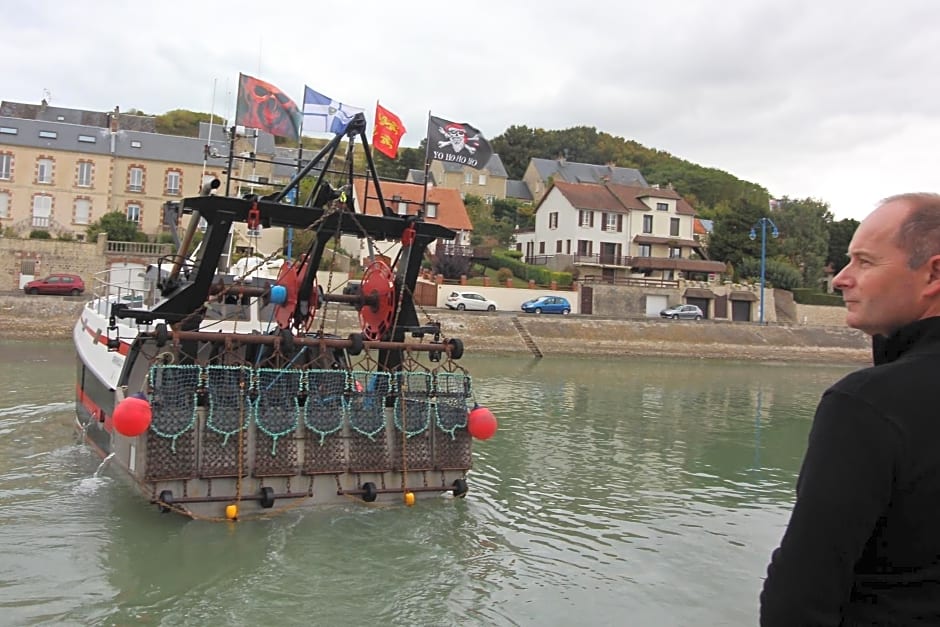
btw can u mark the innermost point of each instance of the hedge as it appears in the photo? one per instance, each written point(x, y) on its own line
point(542, 276)
point(809, 296)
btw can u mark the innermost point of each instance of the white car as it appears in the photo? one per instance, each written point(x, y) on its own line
point(469, 300)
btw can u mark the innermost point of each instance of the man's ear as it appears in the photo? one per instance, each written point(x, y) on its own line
point(933, 278)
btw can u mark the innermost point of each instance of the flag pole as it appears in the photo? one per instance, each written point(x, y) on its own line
point(427, 163)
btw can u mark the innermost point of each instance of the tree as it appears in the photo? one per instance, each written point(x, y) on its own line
point(804, 236)
point(730, 240)
point(183, 122)
point(118, 228)
point(840, 234)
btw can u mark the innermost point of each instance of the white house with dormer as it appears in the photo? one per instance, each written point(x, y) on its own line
point(611, 231)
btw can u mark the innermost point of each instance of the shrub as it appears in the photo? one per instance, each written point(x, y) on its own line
point(810, 296)
point(39, 234)
point(503, 274)
point(66, 236)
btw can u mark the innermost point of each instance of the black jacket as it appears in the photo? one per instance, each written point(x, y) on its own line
point(863, 543)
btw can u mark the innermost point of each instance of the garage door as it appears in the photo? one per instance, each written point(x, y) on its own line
point(655, 303)
point(740, 311)
point(702, 304)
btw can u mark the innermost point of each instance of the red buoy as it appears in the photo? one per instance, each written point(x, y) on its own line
point(132, 416)
point(481, 423)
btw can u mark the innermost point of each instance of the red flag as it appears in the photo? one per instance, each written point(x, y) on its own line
point(262, 105)
point(388, 132)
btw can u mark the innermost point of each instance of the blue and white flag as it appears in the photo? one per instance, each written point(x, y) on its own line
point(325, 115)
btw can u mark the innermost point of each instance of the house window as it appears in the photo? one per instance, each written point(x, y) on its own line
point(84, 173)
point(82, 211)
point(4, 204)
point(133, 213)
point(8, 130)
point(431, 210)
point(6, 166)
point(558, 246)
point(48, 134)
point(173, 183)
point(87, 139)
point(541, 248)
point(482, 179)
point(674, 226)
point(585, 246)
point(553, 220)
point(567, 246)
point(585, 218)
point(135, 144)
point(136, 180)
point(44, 171)
point(675, 252)
point(42, 210)
point(662, 206)
point(468, 178)
point(645, 250)
point(611, 221)
point(647, 224)
point(489, 198)
point(402, 208)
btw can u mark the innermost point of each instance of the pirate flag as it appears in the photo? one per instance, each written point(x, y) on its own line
point(457, 142)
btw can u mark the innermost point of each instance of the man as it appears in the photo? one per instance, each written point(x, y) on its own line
point(863, 543)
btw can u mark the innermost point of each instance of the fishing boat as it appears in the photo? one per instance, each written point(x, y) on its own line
point(225, 397)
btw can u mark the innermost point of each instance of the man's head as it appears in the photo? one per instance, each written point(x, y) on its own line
point(893, 275)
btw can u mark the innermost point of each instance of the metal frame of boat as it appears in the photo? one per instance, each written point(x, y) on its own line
point(253, 407)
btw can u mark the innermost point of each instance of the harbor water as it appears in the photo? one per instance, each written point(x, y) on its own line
point(616, 492)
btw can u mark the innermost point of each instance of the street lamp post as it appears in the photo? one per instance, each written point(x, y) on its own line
point(763, 254)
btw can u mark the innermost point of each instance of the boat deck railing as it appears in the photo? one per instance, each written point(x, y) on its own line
point(127, 286)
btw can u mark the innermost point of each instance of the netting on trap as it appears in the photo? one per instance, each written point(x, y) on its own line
point(366, 408)
point(171, 438)
point(228, 414)
point(452, 441)
point(275, 411)
point(413, 402)
point(325, 408)
point(452, 391)
point(412, 417)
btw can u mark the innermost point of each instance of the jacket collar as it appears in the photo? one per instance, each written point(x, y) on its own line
point(890, 348)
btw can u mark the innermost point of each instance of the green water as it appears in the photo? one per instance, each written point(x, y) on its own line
point(616, 492)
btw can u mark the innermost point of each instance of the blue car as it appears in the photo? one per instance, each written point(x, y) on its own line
point(547, 304)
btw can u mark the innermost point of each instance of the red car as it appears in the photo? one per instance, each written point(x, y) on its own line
point(56, 284)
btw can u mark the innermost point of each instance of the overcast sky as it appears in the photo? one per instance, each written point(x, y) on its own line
point(831, 99)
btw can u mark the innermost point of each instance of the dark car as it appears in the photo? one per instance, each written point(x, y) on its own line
point(352, 288)
point(685, 312)
point(547, 304)
point(61, 284)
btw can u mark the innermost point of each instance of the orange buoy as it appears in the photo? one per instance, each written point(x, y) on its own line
point(132, 416)
point(481, 423)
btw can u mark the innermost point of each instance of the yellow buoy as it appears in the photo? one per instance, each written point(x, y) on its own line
point(409, 498)
point(231, 512)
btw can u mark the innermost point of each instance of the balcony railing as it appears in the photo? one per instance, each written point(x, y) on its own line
point(149, 249)
point(630, 281)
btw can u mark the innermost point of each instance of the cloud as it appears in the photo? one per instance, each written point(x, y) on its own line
point(832, 100)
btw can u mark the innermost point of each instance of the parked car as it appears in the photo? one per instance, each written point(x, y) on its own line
point(352, 287)
point(470, 300)
point(547, 304)
point(685, 312)
point(56, 284)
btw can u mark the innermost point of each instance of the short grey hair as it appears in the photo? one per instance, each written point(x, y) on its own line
point(919, 234)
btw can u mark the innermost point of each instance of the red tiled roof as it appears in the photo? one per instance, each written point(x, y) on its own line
point(451, 212)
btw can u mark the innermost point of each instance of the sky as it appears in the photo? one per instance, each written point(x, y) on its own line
point(836, 100)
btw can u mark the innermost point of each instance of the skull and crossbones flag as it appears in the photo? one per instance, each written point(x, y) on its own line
point(458, 143)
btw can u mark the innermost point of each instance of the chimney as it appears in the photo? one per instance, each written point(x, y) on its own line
point(115, 119)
